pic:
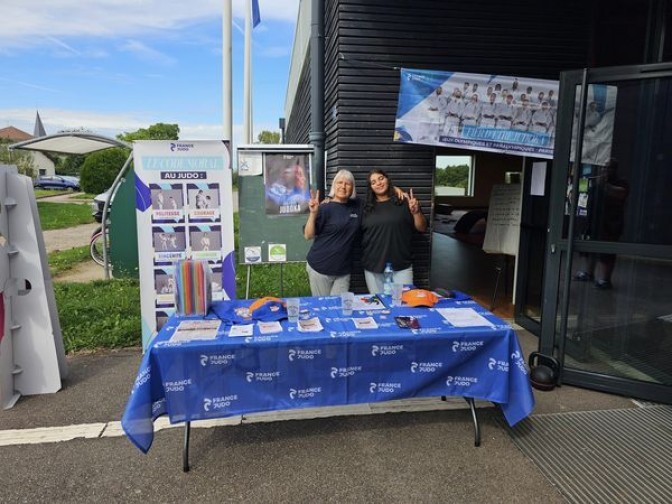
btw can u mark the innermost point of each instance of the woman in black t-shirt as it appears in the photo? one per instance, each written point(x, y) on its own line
point(388, 225)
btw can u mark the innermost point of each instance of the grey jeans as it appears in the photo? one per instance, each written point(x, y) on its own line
point(327, 285)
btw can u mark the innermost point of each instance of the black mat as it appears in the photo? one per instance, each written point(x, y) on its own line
point(610, 456)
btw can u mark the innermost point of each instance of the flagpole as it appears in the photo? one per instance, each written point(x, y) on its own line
point(227, 78)
point(247, 80)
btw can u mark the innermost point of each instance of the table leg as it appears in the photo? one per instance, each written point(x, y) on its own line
point(185, 448)
point(477, 427)
point(247, 282)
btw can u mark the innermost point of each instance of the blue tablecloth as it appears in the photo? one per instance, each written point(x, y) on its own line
point(339, 365)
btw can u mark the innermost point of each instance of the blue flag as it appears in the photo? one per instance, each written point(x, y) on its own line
point(256, 16)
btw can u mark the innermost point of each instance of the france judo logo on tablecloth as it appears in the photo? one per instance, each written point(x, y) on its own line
point(498, 365)
point(426, 367)
point(219, 403)
point(297, 354)
point(217, 359)
point(381, 350)
point(305, 393)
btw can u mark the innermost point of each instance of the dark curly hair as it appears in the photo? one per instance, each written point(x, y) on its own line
point(371, 196)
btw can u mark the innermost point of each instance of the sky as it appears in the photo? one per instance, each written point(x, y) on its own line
point(114, 66)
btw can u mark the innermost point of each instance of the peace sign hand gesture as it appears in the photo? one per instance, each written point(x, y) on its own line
point(314, 202)
point(413, 203)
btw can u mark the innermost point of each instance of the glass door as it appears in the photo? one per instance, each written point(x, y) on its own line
point(533, 232)
point(607, 305)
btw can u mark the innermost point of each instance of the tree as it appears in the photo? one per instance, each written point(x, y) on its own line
point(101, 168)
point(158, 131)
point(21, 159)
point(453, 176)
point(70, 165)
point(269, 137)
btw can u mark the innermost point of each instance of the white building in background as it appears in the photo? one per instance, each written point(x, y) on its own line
point(43, 165)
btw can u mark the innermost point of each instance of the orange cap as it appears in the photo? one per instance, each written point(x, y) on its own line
point(262, 301)
point(419, 297)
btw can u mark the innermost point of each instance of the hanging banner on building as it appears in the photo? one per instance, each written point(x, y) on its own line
point(496, 113)
point(184, 210)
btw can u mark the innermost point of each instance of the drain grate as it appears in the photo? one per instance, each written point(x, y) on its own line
point(603, 456)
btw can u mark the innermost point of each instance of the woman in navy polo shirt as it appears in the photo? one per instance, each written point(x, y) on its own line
point(335, 226)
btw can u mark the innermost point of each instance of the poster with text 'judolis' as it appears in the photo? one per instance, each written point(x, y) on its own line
point(184, 211)
point(286, 183)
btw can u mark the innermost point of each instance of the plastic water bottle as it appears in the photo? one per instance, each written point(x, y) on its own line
point(388, 276)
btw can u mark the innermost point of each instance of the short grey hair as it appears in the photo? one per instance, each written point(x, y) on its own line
point(348, 176)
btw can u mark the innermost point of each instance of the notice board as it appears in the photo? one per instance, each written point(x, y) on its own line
point(502, 233)
point(274, 183)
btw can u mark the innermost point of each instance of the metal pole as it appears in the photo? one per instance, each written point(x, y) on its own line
point(247, 78)
point(227, 96)
point(316, 135)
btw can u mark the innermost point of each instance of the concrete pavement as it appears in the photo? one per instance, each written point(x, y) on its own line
point(394, 457)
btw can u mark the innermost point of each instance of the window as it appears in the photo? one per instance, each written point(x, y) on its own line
point(511, 177)
point(454, 176)
point(43, 171)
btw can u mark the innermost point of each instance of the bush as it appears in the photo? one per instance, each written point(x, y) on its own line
point(100, 169)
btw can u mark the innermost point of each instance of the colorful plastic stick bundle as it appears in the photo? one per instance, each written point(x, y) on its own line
point(193, 287)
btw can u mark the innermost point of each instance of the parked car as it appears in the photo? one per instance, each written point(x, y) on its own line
point(57, 182)
point(97, 206)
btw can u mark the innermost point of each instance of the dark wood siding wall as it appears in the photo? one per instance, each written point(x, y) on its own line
point(367, 41)
point(298, 123)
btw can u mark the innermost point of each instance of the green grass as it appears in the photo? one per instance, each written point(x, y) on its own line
point(99, 314)
point(61, 261)
point(82, 196)
point(63, 215)
point(106, 314)
point(265, 280)
point(43, 193)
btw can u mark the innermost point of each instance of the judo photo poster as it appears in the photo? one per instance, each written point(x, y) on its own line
point(184, 211)
point(496, 113)
point(286, 183)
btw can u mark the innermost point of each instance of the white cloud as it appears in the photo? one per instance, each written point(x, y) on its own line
point(147, 53)
point(27, 84)
point(35, 22)
point(65, 46)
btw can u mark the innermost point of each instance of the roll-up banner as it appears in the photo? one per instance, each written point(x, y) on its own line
point(184, 210)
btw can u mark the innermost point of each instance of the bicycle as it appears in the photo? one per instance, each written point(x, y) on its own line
point(96, 246)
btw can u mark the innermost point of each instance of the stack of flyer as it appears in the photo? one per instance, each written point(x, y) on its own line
point(193, 287)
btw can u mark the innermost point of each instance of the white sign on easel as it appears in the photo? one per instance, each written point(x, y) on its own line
point(502, 233)
point(184, 210)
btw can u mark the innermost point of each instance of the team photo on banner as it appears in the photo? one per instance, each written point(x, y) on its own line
point(496, 113)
